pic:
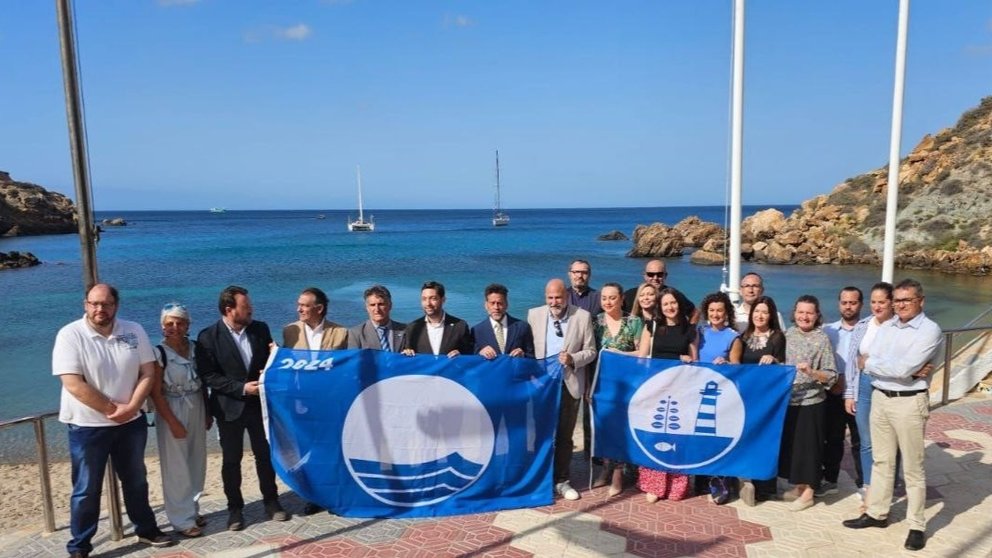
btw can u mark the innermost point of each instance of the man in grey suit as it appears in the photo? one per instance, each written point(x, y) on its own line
point(566, 331)
point(379, 331)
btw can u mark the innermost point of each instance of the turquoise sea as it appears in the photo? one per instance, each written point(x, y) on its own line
point(189, 256)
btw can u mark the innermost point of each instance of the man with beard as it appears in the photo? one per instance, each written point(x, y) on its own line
point(107, 370)
point(437, 333)
point(500, 333)
point(230, 357)
point(566, 332)
point(836, 420)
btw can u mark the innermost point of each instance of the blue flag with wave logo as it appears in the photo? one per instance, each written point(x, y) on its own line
point(370, 433)
point(709, 419)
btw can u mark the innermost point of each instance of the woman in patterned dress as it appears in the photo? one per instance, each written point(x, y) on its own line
point(620, 333)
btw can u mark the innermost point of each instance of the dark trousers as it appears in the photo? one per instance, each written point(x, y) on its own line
point(232, 439)
point(567, 415)
point(836, 422)
point(800, 459)
point(89, 448)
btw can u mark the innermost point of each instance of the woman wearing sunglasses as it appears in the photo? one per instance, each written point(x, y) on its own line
point(180, 403)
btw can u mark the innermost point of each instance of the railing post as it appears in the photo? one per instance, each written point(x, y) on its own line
point(945, 394)
point(46, 483)
point(114, 503)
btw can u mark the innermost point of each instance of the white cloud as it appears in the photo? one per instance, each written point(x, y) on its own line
point(298, 32)
point(458, 20)
point(169, 3)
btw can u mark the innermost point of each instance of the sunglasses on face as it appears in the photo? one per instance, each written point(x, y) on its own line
point(661, 274)
point(558, 330)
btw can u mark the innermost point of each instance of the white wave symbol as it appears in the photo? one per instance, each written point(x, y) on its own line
point(414, 477)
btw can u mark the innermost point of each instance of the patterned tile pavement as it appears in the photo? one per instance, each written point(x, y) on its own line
point(959, 508)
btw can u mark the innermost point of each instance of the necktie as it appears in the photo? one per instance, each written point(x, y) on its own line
point(500, 339)
point(383, 340)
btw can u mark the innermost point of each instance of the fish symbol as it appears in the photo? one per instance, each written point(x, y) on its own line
point(664, 446)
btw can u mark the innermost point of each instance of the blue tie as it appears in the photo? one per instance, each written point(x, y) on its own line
point(383, 340)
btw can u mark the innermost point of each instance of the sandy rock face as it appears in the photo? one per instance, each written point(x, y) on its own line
point(29, 209)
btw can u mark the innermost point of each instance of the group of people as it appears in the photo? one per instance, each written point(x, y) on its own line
point(869, 375)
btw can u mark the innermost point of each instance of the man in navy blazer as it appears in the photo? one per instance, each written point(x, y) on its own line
point(230, 356)
point(437, 333)
point(517, 339)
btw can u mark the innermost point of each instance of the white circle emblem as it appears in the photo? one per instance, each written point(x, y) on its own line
point(686, 416)
point(416, 440)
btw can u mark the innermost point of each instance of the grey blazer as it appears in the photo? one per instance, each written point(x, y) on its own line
point(364, 336)
point(579, 342)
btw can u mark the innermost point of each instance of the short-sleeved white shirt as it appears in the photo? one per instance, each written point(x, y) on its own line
point(108, 364)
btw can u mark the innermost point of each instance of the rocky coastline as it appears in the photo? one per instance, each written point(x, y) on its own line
point(945, 198)
point(28, 209)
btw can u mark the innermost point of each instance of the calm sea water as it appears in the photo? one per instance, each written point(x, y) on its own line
point(189, 256)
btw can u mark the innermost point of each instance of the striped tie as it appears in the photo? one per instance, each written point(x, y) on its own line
point(383, 340)
point(500, 339)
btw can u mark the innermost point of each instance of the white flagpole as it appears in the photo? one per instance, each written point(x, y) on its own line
point(892, 198)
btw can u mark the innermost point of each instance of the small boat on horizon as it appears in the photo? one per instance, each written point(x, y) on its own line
point(500, 218)
point(217, 210)
point(360, 224)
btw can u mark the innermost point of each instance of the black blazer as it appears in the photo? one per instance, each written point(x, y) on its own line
point(220, 366)
point(518, 336)
point(456, 336)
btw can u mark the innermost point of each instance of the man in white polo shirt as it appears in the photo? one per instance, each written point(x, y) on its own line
point(106, 368)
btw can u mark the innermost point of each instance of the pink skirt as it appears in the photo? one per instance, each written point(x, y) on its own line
point(673, 486)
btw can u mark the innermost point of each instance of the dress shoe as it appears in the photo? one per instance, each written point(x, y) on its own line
point(865, 521)
point(915, 540)
point(310, 508)
point(201, 521)
point(275, 512)
point(79, 554)
point(156, 539)
point(235, 520)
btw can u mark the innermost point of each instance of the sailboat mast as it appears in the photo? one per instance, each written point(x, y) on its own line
point(497, 210)
point(736, 154)
point(358, 173)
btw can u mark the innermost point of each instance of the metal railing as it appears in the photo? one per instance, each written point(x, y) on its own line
point(38, 421)
point(950, 353)
point(41, 443)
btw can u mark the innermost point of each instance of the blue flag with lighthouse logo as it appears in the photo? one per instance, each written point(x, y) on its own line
point(370, 433)
point(710, 419)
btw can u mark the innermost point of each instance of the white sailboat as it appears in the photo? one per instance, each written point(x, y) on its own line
point(360, 224)
point(500, 218)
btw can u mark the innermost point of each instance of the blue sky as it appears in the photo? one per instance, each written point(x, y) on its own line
point(254, 105)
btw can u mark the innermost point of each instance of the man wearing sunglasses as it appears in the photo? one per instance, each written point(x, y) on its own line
point(655, 273)
point(564, 331)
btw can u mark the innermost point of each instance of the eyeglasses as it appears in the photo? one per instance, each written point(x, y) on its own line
point(905, 300)
point(579, 271)
point(101, 304)
point(173, 306)
point(661, 274)
point(558, 330)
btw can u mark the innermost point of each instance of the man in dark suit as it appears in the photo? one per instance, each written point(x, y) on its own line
point(379, 331)
point(501, 333)
point(230, 357)
point(437, 333)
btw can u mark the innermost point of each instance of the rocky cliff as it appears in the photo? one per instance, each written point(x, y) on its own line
point(945, 199)
point(29, 209)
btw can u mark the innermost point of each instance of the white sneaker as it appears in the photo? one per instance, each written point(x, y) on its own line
point(566, 491)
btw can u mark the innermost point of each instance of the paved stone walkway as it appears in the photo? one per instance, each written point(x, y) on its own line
point(959, 509)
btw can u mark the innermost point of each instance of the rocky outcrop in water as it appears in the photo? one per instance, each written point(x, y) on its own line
point(612, 235)
point(29, 209)
point(945, 199)
point(14, 260)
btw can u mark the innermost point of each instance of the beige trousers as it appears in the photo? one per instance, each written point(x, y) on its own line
point(898, 425)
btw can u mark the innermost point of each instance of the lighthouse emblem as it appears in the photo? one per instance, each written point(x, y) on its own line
point(686, 416)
